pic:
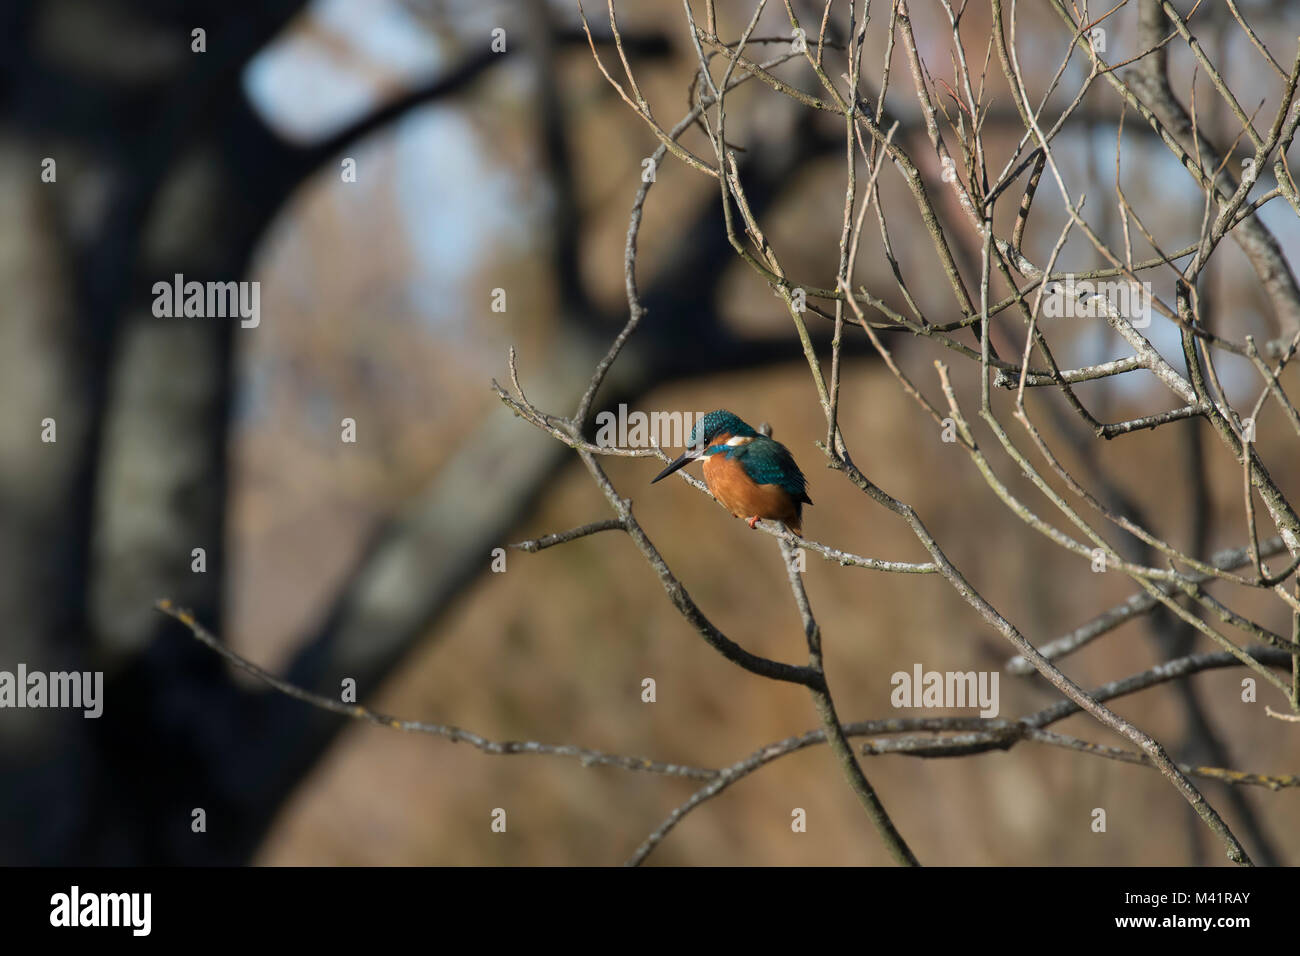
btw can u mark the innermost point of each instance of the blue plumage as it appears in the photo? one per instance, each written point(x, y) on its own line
point(767, 483)
point(714, 424)
point(764, 459)
point(768, 462)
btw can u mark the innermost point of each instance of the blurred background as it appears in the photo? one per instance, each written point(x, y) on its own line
point(479, 170)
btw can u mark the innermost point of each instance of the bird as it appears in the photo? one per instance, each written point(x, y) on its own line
point(754, 476)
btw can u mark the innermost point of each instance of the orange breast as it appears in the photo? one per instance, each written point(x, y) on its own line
point(730, 484)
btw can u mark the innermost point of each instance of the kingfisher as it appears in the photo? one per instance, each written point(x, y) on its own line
point(754, 476)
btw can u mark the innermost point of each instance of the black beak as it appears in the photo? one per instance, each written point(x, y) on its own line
point(685, 459)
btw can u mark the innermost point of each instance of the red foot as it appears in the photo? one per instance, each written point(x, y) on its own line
point(752, 522)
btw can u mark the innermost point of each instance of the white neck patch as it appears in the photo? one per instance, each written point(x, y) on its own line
point(735, 440)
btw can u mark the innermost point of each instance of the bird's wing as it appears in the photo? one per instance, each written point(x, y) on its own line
point(769, 462)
